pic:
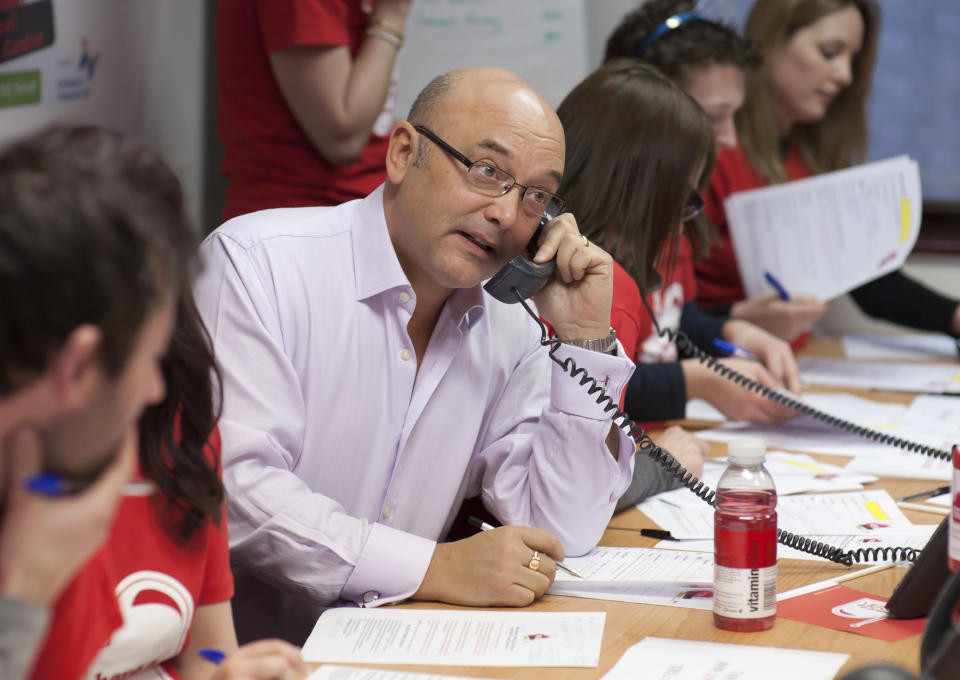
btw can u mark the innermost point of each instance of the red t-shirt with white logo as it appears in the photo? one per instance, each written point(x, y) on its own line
point(128, 613)
point(629, 317)
point(268, 159)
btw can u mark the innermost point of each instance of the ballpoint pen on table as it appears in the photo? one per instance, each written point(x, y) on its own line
point(777, 286)
point(933, 509)
point(925, 494)
point(485, 526)
point(733, 350)
point(662, 534)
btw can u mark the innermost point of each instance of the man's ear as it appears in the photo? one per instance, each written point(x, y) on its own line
point(402, 151)
point(76, 368)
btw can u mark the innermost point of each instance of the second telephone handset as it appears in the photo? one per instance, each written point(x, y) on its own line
point(522, 273)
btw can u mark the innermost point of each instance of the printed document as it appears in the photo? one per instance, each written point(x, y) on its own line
point(885, 375)
point(333, 672)
point(856, 513)
point(604, 566)
point(915, 536)
point(456, 638)
point(907, 346)
point(825, 235)
point(666, 659)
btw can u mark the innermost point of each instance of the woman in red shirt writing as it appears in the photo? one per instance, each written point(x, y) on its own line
point(805, 113)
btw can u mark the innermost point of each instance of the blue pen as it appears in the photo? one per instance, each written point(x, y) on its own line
point(214, 656)
point(733, 350)
point(781, 291)
point(48, 484)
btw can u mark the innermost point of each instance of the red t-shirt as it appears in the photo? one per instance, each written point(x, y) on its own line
point(629, 317)
point(718, 278)
point(128, 613)
point(268, 159)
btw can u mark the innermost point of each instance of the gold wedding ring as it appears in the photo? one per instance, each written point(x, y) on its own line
point(535, 561)
point(586, 241)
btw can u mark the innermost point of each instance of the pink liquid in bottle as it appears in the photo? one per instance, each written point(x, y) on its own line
point(745, 542)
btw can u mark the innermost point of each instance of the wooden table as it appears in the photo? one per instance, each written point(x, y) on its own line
point(628, 623)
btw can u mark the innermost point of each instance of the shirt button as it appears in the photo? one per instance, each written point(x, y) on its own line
point(405, 354)
point(404, 296)
point(386, 512)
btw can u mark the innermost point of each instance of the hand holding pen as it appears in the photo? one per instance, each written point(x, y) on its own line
point(45, 539)
point(508, 566)
point(484, 526)
point(261, 660)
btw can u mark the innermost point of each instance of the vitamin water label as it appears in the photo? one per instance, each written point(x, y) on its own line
point(745, 593)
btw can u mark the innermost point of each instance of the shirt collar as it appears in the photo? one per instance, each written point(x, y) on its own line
point(377, 269)
point(375, 264)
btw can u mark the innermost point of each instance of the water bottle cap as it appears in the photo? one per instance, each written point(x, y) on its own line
point(746, 451)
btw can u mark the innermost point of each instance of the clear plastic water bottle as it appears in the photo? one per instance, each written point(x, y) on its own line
point(745, 541)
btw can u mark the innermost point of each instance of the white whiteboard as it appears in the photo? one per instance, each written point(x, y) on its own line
point(542, 41)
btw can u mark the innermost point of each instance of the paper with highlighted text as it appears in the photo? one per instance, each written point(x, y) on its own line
point(825, 235)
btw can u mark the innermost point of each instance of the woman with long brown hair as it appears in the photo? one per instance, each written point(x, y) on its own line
point(804, 114)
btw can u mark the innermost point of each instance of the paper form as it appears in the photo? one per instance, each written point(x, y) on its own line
point(855, 513)
point(825, 235)
point(806, 434)
point(935, 413)
point(908, 346)
point(604, 566)
point(915, 536)
point(897, 463)
point(685, 597)
point(896, 377)
point(334, 672)
point(664, 659)
point(792, 473)
point(456, 638)
point(866, 412)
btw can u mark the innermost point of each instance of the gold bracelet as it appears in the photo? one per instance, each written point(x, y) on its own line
point(386, 37)
point(387, 26)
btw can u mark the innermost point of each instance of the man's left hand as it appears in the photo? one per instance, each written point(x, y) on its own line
point(577, 300)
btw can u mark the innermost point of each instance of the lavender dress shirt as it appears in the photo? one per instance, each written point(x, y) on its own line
point(343, 464)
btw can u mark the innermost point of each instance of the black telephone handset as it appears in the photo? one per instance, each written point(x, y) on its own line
point(522, 273)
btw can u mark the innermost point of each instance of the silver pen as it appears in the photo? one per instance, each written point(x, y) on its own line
point(486, 526)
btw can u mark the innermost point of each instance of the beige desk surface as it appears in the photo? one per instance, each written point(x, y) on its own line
point(628, 623)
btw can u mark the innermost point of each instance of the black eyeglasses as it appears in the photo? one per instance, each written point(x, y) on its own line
point(492, 181)
point(694, 206)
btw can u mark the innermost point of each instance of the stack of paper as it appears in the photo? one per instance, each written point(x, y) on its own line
point(645, 575)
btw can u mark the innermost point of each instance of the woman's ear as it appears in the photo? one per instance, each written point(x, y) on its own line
point(402, 152)
point(76, 368)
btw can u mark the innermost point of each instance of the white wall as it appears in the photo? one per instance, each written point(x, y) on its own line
point(149, 79)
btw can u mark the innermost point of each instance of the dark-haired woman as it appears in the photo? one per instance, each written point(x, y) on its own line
point(707, 60)
point(167, 558)
point(805, 113)
point(636, 145)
